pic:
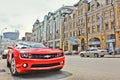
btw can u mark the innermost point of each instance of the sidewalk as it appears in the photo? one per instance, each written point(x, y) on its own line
point(112, 56)
point(4, 71)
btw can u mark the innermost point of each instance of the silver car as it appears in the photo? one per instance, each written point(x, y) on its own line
point(4, 54)
point(93, 52)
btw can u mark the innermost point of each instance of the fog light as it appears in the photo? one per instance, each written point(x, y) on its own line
point(25, 65)
point(62, 62)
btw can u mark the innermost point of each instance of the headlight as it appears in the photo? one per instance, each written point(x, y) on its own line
point(59, 54)
point(25, 55)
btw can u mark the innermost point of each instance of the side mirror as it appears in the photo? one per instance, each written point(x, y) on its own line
point(10, 47)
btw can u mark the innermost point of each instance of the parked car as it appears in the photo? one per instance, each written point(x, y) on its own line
point(74, 52)
point(29, 56)
point(67, 53)
point(93, 52)
point(4, 54)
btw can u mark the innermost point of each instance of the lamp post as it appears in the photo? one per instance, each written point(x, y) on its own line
point(2, 32)
point(86, 45)
point(114, 46)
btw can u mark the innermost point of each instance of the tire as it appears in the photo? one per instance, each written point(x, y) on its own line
point(82, 55)
point(8, 65)
point(3, 57)
point(96, 55)
point(102, 55)
point(13, 67)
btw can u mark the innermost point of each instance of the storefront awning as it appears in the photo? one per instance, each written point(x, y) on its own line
point(73, 41)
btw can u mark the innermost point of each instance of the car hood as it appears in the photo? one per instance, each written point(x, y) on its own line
point(40, 50)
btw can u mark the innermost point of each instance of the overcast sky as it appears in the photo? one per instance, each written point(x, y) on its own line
point(21, 14)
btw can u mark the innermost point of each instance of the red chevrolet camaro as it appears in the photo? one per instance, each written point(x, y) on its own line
point(29, 56)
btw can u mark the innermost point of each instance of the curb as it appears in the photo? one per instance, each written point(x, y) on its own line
point(112, 56)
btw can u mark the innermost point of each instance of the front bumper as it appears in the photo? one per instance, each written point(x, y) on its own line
point(24, 65)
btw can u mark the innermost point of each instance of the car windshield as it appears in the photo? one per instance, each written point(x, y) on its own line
point(94, 49)
point(29, 45)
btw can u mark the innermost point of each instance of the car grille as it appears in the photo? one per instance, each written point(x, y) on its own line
point(43, 56)
point(44, 65)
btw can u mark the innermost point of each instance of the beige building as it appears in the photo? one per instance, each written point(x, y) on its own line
point(79, 27)
point(28, 36)
point(93, 24)
point(54, 26)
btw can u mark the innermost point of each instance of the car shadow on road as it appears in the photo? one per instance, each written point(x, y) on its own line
point(43, 75)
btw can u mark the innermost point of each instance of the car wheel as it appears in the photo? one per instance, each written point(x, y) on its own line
point(13, 67)
point(96, 55)
point(3, 56)
point(8, 65)
point(82, 55)
point(102, 55)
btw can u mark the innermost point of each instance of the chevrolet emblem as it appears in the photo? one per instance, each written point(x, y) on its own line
point(47, 56)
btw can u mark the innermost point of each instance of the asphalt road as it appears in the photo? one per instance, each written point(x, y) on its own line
point(92, 68)
point(77, 68)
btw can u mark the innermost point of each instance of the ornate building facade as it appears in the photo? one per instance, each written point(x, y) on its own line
point(93, 24)
point(79, 27)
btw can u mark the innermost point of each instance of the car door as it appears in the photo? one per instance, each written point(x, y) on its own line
point(91, 52)
point(87, 52)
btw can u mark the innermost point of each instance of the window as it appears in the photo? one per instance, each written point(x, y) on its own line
point(82, 11)
point(88, 19)
point(66, 35)
point(73, 33)
point(93, 29)
point(88, 30)
point(92, 7)
point(65, 20)
point(73, 15)
point(57, 44)
point(106, 26)
point(111, 12)
point(81, 22)
point(98, 28)
point(73, 24)
point(106, 14)
point(112, 25)
point(82, 31)
point(108, 1)
point(66, 28)
point(70, 34)
point(97, 17)
point(79, 33)
point(93, 18)
point(78, 22)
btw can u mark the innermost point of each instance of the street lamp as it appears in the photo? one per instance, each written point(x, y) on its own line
point(86, 45)
point(114, 29)
point(2, 32)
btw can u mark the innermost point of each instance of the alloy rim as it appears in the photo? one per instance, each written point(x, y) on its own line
point(96, 55)
point(13, 67)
